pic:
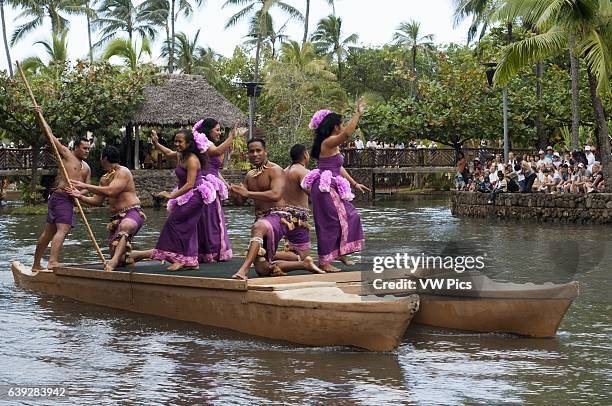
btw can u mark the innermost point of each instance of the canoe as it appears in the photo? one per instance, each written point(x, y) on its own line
point(303, 311)
point(487, 306)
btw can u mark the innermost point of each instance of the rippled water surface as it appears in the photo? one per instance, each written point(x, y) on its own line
point(106, 355)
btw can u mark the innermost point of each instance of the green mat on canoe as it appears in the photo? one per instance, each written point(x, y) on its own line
point(214, 270)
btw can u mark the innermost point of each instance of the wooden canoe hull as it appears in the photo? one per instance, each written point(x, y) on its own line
point(314, 316)
point(497, 307)
point(526, 317)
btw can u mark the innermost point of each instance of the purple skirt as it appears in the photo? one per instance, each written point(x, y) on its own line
point(60, 209)
point(134, 214)
point(298, 238)
point(337, 223)
point(214, 243)
point(178, 241)
point(277, 227)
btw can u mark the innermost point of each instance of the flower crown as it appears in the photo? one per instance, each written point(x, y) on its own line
point(200, 138)
point(318, 118)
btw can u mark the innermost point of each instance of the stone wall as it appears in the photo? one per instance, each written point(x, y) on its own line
point(593, 208)
point(151, 182)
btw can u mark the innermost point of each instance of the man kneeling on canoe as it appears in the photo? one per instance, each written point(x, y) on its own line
point(265, 185)
point(126, 215)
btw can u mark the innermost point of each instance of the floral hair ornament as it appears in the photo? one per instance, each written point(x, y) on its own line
point(318, 118)
point(200, 138)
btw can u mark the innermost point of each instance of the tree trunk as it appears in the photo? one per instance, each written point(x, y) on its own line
point(415, 90)
point(602, 131)
point(6, 44)
point(257, 56)
point(339, 56)
point(306, 17)
point(575, 93)
point(172, 39)
point(168, 42)
point(538, 120)
point(89, 35)
point(34, 163)
point(129, 131)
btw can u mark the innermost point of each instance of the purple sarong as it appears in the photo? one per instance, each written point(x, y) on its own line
point(337, 222)
point(178, 240)
point(277, 222)
point(298, 237)
point(214, 243)
point(133, 213)
point(60, 208)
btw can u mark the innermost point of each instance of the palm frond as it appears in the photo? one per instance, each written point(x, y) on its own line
point(594, 50)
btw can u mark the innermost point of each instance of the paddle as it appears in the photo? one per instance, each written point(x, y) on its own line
point(58, 158)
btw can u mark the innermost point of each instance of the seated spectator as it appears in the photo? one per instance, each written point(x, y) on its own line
point(549, 153)
point(483, 182)
point(590, 156)
point(580, 180)
point(542, 159)
point(500, 187)
point(530, 176)
point(596, 182)
point(557, 160)
point(493, 178)
point(547, 182)
point(561, 177)
point(513, 186)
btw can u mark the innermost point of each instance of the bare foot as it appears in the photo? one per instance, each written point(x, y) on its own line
point(110, 265)
point(345, 260)
point(52, 265)
point(311, 266)
point(330, 268)
point(241, 275)
point(37, 267)
point(178, 266)
point(138, 255)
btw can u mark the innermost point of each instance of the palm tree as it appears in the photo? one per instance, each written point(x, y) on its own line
point(122, 16)
point(328, 40)
point(127, 50)
point(408, 36)
point(90, 13)
point(307, 17)
point(4, 37)
point(260, 9)
point(270, 34)
point(582, 26)
point(57, 51)
point(37, 10)
point(186, 53)
point(165, 13)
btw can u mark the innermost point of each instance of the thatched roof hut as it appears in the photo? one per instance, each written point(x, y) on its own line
point(182, 100)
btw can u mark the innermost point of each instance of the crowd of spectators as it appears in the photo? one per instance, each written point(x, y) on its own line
point(550, 171)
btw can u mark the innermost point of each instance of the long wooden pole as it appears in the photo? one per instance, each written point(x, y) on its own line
point(58, 157)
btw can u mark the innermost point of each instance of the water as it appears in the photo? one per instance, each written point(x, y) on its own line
point(115, 356)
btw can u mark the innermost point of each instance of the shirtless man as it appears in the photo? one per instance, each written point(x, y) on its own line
point(60, 217)
point(265, 184)
point(126, 215)
point(298, 237)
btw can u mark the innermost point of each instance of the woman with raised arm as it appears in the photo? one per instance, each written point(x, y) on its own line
point(178, 241)
point(337, 223)
point(214, 244)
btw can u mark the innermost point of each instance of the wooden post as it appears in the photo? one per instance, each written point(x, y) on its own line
point(136, 147)
point(58, 157)
point(373, 186)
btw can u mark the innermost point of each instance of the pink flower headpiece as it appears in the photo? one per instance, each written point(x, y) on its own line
point(200, 138)
point(318, 118)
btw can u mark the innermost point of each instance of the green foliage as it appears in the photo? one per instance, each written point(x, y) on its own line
point(85, 98)
point(31, 197)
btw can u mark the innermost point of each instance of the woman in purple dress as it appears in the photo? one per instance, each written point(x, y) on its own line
point(178, 241)
point(337, 223)
point(214, 244)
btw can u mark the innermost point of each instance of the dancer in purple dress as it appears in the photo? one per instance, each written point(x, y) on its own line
point(178, 241)
point(214, 244)
point(337, 222)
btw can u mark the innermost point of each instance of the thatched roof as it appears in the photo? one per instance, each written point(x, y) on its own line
point(180, 100)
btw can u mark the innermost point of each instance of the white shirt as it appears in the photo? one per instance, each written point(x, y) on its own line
point(371, 144)
point(358, 143)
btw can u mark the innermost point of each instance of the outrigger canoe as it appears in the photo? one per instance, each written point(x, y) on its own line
point(309, 311)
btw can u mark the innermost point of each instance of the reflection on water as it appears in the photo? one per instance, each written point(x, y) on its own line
point(103, 353)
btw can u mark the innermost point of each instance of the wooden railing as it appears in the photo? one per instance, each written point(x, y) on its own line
point(22, 158)
point(403, 158)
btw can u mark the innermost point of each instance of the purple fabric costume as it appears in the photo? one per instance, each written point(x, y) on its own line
point(133, 213)
point(277, 221)
point(298, 238)
point(337, 222)
point(214, 243)
point(178, 241)
point(60, 208)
